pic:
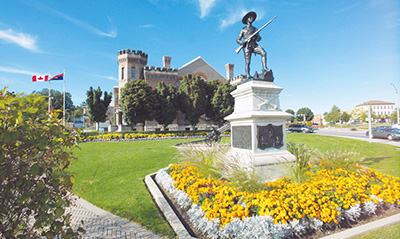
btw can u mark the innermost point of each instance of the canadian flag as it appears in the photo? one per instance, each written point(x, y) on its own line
point(40, 78)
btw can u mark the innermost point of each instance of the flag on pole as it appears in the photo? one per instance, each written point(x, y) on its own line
point(40, 78)
point(58, 77)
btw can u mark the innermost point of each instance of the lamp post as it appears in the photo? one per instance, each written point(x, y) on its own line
point(397, 102)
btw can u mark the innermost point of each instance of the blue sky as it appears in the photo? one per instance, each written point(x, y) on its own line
point(322, 52)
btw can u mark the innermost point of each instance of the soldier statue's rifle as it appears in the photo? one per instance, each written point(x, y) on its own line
point(252, 35)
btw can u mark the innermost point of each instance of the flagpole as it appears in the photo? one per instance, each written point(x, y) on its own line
point(64, 100)
point(49, 91)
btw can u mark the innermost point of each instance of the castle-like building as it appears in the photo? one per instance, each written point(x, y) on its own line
point(133, 65)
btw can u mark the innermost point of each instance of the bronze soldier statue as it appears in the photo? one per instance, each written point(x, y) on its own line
point(249, 43)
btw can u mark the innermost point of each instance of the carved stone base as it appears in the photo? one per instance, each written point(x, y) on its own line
point(258, 128)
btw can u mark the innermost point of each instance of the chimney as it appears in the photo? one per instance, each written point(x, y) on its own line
point(166, 61)
point(229, 71)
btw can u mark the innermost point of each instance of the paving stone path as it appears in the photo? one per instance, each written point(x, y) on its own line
point(99, 223)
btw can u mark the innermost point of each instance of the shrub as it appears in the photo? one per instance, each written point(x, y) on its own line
point(34, 154)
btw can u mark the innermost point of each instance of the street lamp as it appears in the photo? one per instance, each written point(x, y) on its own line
point(397, 102)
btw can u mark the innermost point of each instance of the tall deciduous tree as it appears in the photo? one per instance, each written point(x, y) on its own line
point(223, 102)
point(304, 111)
point(97, 107)
point(166, 104)
point(191, 98)
point(211, 87)
point(290, 111)
point(334, 115)
point(137, 102)
point(57, 100)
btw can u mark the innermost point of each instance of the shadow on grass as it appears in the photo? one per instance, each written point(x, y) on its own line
point(369, 161)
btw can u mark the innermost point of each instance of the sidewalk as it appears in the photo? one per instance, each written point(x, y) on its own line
point(99, 223)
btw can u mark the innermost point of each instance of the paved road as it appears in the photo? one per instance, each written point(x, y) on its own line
point(359, 134)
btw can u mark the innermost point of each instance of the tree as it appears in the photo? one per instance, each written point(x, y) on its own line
point(345, 117)
point(334, 115)
point(191, 98)
point(290, 111)
point(393, 116)
point(57, 100)
point(223, 102)
point(35, 154)
point(166, 104)
point(137, 102)
point(97, 107)
point(211, 87)
point(304, 111)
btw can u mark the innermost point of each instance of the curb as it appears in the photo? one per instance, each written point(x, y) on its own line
point(181, 231)
point(366, 228)
point(166, 209)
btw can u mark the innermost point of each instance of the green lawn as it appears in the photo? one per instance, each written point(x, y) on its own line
point(110, 174)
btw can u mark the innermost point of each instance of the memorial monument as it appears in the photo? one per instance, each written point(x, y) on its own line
point(257, 123)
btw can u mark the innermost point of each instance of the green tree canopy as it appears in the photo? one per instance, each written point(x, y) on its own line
point(304, 111)
point(166, 104)
point(57, 100)
point(334, 115)
point(35, 154)
point(137, 102)
point(223, 102)
point(290, 111)
point(192, 98)
point(345, 117)
point(97, 107)
point(211, 87)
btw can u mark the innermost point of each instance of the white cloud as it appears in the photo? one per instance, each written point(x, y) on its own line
point(18, 71)
point(24, 40)
point(233, 18)
point(205, 7)
point(77, 22)
point(105, 77)
point(146, 26)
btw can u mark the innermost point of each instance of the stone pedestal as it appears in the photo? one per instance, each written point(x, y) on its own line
point(258, 128)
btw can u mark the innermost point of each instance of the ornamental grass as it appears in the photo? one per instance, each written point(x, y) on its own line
point(325, 195)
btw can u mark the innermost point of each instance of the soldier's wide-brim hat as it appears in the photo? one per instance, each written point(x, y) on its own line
point(252, 14)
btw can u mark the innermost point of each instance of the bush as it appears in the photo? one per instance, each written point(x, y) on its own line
point(34, 155)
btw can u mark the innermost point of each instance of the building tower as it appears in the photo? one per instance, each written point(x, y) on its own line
point(130, 66)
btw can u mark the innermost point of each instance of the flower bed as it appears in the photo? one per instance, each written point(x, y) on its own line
point(330, 199)
point(142, 136)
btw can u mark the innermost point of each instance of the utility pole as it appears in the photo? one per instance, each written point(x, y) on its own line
point(397, 103)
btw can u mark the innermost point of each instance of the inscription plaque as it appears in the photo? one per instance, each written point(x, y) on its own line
point(269, 136)
point(241, 137)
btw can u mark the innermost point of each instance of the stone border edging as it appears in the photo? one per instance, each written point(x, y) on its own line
point(166, 209)
point(181, 231)
point(366, 228)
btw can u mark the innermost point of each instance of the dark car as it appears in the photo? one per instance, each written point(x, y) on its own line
point(385, 132)
point(300, 128)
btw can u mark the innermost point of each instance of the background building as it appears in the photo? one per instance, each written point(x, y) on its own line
point(380, 108)
point(133, 65)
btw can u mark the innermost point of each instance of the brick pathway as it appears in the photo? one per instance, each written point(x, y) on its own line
point(99, 223)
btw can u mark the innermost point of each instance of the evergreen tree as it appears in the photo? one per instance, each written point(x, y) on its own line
point(137, 102)
point(345, 117)
point(166, 104)
point(191, 98)
point(97, 107)
point(223, 102)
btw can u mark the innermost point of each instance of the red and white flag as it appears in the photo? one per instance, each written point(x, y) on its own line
point(40, 78)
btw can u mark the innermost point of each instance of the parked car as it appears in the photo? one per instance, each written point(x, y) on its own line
point(388, 133)
point(377, 129)
point(300, 128)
